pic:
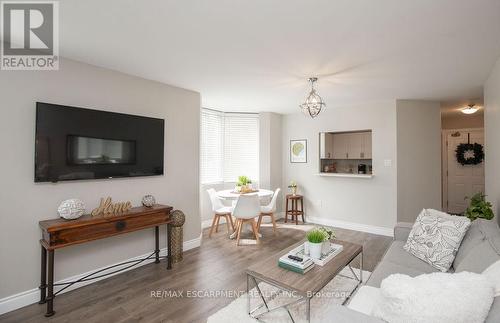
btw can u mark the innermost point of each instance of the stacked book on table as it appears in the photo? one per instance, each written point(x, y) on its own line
point(299, 265)
point(298, 261)
point(326, 255)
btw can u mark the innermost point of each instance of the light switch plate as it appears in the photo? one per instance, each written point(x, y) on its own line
point(387, 162)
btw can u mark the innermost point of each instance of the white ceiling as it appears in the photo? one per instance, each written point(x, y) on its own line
point(256, 55)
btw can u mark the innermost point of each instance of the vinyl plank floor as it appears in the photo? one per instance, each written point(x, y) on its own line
point(218, 265)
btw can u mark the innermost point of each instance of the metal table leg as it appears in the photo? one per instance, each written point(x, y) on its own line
point(50, 286)
point(361, 267)
point(43, 275)
point(157, 244)
point(308, 309)
point(265, 303)
point(248, 294)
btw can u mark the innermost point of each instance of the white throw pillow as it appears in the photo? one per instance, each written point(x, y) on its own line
point(493, 274)
point(435, 298)
point(436, 237)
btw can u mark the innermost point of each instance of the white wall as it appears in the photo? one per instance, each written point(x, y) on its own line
point(367, 204)
point(492, 138)
point(419, 157)
point(462, 121)
point(270, 152)
point(23, 203)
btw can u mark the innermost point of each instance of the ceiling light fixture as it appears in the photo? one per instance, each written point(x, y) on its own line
point(470, 109)
point(314, 103)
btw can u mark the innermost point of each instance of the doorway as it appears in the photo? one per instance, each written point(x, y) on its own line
point(460, 181)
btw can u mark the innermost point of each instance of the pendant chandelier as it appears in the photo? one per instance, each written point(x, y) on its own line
point(314, 103)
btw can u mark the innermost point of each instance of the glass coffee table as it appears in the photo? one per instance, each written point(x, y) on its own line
point(303, 287)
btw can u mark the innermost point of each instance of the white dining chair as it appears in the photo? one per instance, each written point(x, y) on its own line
point(268, 210)
point(247, 208)
point(219, 211)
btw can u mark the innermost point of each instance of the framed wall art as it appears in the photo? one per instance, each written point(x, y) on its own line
point(298, 151)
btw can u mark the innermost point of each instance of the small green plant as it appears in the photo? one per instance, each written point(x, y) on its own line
point(329, 233)
point(292, 184)
point(316, 236)
point(479, 208)
point(243, 180)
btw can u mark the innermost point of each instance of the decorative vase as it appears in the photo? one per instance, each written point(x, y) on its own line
point(71, 209)
point(148, 201)
point(315, 250)
point(325, 247)
point(306, 248)
point(294, 190)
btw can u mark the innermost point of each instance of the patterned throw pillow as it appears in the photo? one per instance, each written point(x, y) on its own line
point(436, 237)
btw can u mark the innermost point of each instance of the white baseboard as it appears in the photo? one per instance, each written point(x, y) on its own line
point(352, 226)
point(31, 296)
point(207, 223)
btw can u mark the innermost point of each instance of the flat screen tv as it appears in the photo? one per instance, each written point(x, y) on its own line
point(75, 144)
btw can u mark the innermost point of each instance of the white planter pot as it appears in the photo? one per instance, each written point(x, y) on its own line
point(315, 250)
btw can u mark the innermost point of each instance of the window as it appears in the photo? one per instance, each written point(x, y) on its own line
point(211, 143)
point(241, 146)
point(229, 146)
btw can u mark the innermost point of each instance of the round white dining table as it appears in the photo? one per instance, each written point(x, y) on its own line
point(230, 195)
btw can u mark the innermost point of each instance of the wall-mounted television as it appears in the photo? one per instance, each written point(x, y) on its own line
point(75, 144)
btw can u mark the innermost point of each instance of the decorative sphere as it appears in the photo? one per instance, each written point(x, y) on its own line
point(148, 201)
point(178, 218)
point(71, 209)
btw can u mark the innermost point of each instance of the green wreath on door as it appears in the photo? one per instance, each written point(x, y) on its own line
point(470, 154)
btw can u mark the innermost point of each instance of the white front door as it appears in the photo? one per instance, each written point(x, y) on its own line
point(463, 181)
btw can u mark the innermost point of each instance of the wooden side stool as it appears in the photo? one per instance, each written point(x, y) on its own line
point(294, 211)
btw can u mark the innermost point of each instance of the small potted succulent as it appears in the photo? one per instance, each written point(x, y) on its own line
point(293, 187)
point(315, 239)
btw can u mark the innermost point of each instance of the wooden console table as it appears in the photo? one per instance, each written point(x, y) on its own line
point(60, 233)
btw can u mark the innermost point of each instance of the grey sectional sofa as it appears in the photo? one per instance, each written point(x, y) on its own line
point(479, 249)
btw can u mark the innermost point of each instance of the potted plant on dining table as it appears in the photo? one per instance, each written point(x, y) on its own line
point(244, 184)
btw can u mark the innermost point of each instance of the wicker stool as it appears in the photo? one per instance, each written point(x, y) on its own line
point(176, 239)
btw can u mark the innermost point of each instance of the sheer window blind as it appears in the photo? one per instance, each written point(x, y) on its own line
point(229, 146)
point(241, 146)
point(211, 146)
